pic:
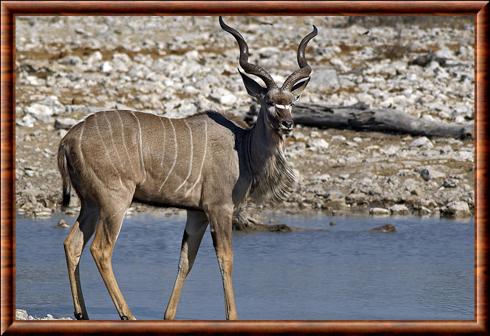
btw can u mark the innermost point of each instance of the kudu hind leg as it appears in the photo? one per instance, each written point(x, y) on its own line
point(106, 233)
point(74, 244)
point(195, 227)
point(221, 232)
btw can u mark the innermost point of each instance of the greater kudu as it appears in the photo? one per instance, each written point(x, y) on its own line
point(205, 164)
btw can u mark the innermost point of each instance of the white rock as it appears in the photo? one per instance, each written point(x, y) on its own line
point(379, 212)
point(40, 112)
point(193, 54)
point(399, 209)
point(339, 138)
point(340, 64)
point(268, 52)
point(429, 173)
point(21, 314)
point(325, 79)
point(26, 121)
point(106, 67)
point(456, 209)
point(94, 58)
point(422, 142)
point(228, 99)
point(35, 81)
point(187, 109)
point(460, 119)
point(319, 144)
point(71, 60)
point(64, 123)
point(444, 53)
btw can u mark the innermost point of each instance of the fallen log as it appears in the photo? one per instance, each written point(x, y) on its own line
point(360, 117)
point(245, 223)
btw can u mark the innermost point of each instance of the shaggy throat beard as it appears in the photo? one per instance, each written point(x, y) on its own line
point(276, 180)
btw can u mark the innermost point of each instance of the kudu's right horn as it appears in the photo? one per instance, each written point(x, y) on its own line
point(304, 70)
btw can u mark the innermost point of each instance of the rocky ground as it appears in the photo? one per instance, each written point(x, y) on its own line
point(68, 67)
point(21, 314)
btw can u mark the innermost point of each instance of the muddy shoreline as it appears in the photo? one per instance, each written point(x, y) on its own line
point(69, 67)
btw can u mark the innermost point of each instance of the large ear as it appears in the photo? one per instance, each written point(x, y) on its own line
point(298, 88)
point(253, 88)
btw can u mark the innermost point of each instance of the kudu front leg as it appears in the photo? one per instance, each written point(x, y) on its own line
point(221, 232)
point(106, 234)
point(195, 227)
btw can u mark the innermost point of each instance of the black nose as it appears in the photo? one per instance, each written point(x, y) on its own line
point(287, 124)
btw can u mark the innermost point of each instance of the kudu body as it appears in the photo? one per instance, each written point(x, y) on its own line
point(204, 163)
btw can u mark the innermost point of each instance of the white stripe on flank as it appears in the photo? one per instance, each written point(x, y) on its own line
point(106, 151)
point(175, 156)
point(163, 146)
point(190, 159)
point(80, 139)
point(124, 140)
point(203, 158)
point(112, 139)
point(81, 130)
point(141, 145)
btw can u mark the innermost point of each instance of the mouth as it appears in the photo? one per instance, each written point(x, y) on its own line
point(285, 130)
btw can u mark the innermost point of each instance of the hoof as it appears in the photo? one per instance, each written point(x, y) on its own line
point(124, 318)
point(79, 316)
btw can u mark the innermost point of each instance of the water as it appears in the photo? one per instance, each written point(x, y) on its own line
point(425, 271)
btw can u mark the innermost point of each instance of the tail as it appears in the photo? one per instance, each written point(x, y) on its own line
point(65, 177)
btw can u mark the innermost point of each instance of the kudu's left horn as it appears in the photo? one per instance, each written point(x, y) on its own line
point(248, 67)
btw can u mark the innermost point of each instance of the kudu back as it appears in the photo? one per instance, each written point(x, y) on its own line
point(205, 164)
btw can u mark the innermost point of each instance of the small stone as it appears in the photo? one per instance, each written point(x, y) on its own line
point(268, 52)
point(399, 209)
point(106, 67)
point(344, 176)
point(387, 228)
point(62, 224)
point(325, 79)
point(323, 178)
point(94, 58)
point(456, 209)
point(29, 171)
point(62, 133)
point(26, 121)
point(21, 314)
point(64, 123)
point(228, 99)
point(339, 138)
point(450, 183)
point(71, 60)
point(412, 186)
point(35, 81)
point(43, 212)
point(379, 212)
point(422, 142)
point(40, 112)
point(444, 53)
point(423, 211)
point(318, 144)
point(430, 173)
